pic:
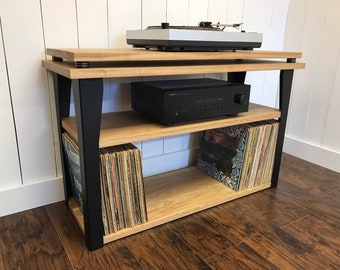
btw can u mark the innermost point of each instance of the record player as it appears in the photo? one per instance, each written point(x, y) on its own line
point(204, 37)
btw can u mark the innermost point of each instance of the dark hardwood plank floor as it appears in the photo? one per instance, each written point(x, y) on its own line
point(293, 226)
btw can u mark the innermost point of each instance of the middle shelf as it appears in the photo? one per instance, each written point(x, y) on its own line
point(130, 126)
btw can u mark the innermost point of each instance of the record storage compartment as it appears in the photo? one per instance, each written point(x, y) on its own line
point(189, 190)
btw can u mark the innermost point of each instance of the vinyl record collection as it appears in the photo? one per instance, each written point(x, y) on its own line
point(240, 156)
point(123, 199)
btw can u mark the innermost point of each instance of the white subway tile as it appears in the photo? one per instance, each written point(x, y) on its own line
point(152, 148)
point(168, 162)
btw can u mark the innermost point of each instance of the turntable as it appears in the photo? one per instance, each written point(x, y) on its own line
point(204, 37)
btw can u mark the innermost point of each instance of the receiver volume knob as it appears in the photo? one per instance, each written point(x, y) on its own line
point(240, 99)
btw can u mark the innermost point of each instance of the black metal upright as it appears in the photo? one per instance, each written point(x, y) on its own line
point(286, 79)
point(62, 97)
point(88, 95)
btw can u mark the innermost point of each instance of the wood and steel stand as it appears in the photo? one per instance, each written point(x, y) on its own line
point(84, 70)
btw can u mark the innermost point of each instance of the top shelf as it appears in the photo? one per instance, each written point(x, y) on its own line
point(114, 63)
point(115, 55)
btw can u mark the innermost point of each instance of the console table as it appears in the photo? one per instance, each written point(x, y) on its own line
point(174, 194)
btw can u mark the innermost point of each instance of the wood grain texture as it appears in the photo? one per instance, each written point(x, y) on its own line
point(319, 235)
point(1, 262)
point(109, 257)
point(294, 226)
point(28, 241)
point(240, 257)
point(109, 55)
point(130, 126)
point(68, 70)
point(262, 235)
point(124, 63)
point(202, 230)
point(162, 248)
point(177, 194)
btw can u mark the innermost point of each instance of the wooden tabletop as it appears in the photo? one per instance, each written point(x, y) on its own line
point(113, 63)
point(101, 55)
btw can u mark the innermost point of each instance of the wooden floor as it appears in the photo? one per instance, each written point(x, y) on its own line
point(294, 226)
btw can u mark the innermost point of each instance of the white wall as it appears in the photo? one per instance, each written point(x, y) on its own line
point(9, 159)
point(313, 131)
point(29, 162)
point(31, 178)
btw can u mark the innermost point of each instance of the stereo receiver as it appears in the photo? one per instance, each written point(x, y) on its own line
point(171, 102)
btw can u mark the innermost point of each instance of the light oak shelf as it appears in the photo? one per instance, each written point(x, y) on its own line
point(174, 195)
point(171, 195)
point(127, 63)
point(142, 55)
point(68, 70)
point(130, 126)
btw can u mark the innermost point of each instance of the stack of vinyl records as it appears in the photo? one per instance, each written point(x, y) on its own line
point(123, 200)
point(241, 156)
point(122, 188)
point(71, 151)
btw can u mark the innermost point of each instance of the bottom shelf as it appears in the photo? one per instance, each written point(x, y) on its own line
point(174, 195)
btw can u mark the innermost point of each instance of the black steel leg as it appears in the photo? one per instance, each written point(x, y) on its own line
point(88, 95)
point(62, 93)
point(286, 78)
point(236, 77)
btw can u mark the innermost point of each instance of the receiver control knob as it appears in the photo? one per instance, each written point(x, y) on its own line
point(240, 99)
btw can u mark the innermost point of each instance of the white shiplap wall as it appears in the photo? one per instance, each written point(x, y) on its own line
point(313, 131)
point(23, 47)
point(29, 163)
point(9, 159)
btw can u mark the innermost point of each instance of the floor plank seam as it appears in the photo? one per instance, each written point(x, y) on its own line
point(203, 258)
point(169, 225)
point(304, 242)
point(58, 235)
point(222, 251)
point(294, 221)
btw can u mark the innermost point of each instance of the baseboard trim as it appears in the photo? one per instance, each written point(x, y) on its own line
point(313, 153)
point(21, 198)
